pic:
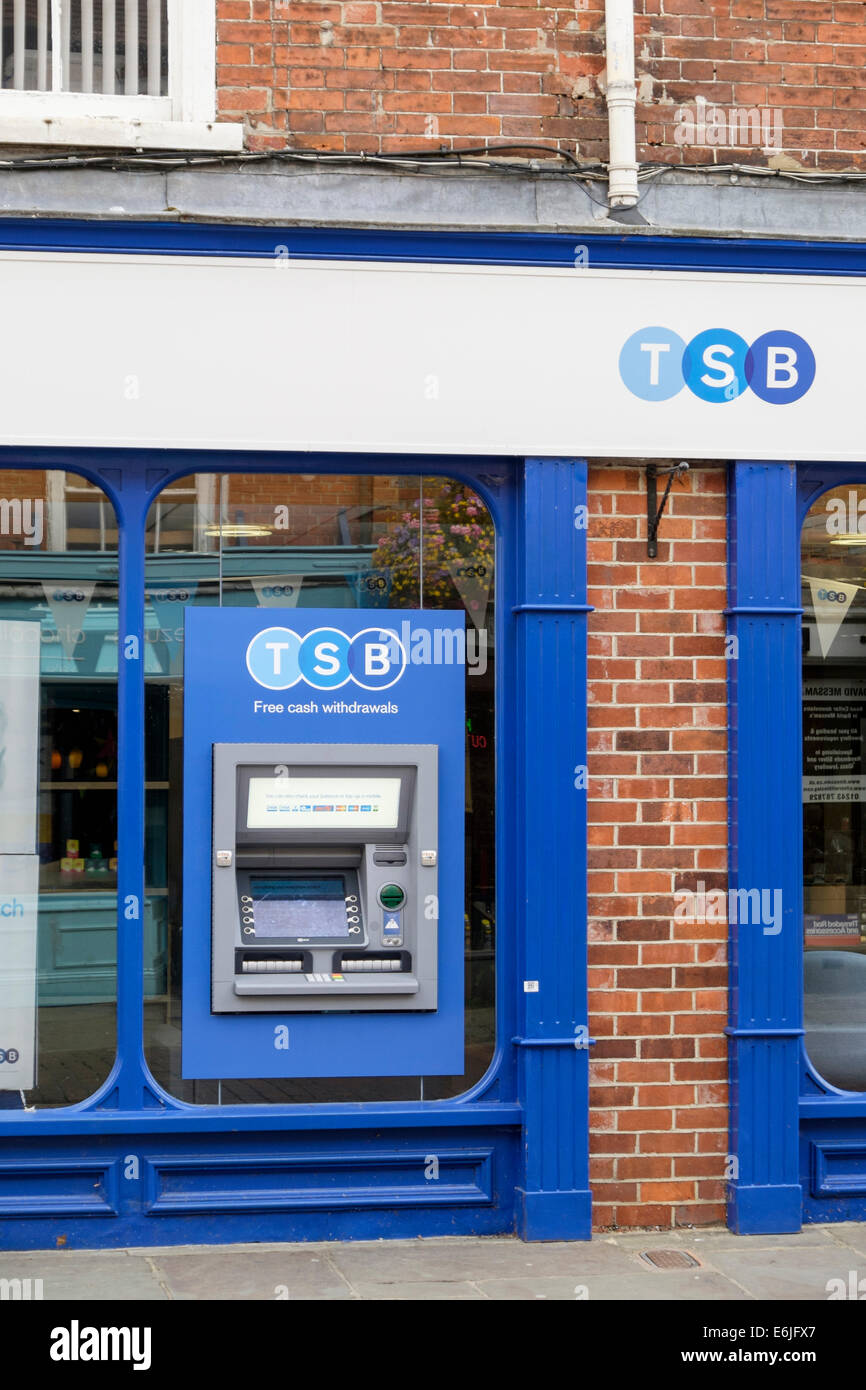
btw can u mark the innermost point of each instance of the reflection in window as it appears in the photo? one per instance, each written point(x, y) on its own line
point(317, 541)
point(58, 788)
point(834, 785)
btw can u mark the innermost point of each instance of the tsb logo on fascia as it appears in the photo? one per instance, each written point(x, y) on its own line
point(717, 365)
point(326, 658)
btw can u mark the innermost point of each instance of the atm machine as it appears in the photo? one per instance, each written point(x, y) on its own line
point(325, 866)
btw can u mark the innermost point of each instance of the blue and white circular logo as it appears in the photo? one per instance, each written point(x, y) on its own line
point(326, 658)
point(273, 658)
point(717, 365)
point(377, 658)
point(714, 365)
point(651, 363)
point(780, 367)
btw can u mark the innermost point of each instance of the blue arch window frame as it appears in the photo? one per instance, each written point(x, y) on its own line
point(798, 1142)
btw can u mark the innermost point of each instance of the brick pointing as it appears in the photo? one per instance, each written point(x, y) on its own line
point(657, 823)
point(371, 76)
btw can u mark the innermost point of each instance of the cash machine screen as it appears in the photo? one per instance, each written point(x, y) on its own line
point(292, 908)
point(323, 803)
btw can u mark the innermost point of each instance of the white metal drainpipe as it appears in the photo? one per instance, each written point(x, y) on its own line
point(621, 95)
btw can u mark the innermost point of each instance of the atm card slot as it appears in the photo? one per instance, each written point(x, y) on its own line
point(272, 962)
point(372, 962)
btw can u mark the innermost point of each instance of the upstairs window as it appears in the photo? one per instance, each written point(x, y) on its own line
point(128, 73)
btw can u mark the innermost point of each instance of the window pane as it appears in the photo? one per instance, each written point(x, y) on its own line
point(318, 541)
point(834, 785)
point(58, 769)
point(115, 47)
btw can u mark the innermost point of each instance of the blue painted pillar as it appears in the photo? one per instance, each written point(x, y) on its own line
point(553, 1201)
point(129, 1086)
point(766, 1019)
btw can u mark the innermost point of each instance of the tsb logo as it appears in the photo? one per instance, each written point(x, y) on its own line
point(831, 596)
point(326, 658)
point(717, 365)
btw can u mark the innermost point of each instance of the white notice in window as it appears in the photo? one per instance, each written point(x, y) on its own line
point(19, 734)
point(19, 897)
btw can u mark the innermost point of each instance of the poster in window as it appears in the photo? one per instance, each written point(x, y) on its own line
point(19, 736)
point(834, 725)
point(19, 900)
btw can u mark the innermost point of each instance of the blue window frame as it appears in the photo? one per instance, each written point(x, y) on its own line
point(798, 1145)
point(513, 1150)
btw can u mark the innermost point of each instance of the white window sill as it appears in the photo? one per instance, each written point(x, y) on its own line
point(121, 134)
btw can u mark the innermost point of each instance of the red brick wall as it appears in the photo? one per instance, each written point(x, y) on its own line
point(377, 75)
point(657, 764)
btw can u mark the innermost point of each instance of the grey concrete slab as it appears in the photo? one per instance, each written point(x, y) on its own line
point(716, 1238)
point(70, 1275)
point(459, 1291)
point(811, 1237)
point(680, 200)
point(285, 194)
point(640, 1240)
point(288, 1275)
point(654, 1286)
point(782, 1274)
point(850, 1235)
point(608, 1268)
point(103, 192)
point(453, 1258)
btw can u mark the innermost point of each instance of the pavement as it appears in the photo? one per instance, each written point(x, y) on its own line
point(725, 1267)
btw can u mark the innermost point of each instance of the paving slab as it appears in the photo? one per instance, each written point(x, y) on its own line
point(271, 1275)
point(654, 1286)
point(447, 1258)
point(69, 1276)
point(850, 1235)
point(426, 1290)
point(775, 1275)
point(736, 1268)
point(716, 1238)
point(810, 1237)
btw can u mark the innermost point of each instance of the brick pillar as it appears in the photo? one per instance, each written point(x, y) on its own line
point(658, 826)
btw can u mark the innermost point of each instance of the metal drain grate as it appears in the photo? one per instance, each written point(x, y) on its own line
point(670, 1259)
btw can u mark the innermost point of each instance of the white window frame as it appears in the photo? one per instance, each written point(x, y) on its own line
point(185, 119)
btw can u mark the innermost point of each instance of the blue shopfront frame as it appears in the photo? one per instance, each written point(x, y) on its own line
point(512, 1150)
point(798, 1143)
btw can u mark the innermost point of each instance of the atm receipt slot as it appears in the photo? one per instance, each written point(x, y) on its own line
point(325, 862)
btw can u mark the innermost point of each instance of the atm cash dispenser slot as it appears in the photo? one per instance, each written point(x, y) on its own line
point(325, 862)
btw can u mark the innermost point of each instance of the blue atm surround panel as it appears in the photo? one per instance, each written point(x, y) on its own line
point(323, 773)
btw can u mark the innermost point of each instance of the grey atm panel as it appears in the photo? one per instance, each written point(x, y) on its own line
point(325, 877)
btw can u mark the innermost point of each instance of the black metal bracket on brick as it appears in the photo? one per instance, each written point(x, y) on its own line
point(654, 513)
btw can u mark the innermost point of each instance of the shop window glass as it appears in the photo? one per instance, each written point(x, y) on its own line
point(58, 791)
point(833, 559)
point(316, 541)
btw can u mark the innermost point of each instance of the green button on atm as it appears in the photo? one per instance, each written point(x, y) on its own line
point(392, 897)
